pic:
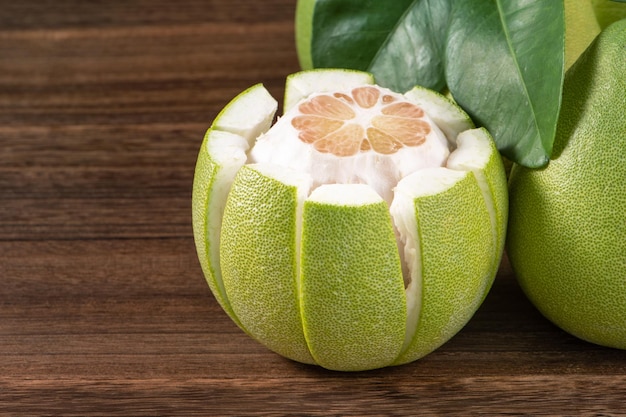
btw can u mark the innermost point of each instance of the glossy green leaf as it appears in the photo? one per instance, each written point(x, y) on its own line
point(504, 66)
point(421, 30)
point(375, 36)
point(502, 60)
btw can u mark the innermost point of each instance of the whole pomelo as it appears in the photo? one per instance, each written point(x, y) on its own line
point(567, 226)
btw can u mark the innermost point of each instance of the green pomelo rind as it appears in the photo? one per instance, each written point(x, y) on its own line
point(322, 80)
point(456, 254)
point(221, 154)
point(210, 188)
point(259, 259)
point(487, 166)
point(353, 299)
point(567, 226)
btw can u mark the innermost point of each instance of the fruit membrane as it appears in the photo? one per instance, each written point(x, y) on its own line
point(362, 230)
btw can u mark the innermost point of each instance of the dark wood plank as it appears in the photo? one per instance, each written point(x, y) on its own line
point(103, 307)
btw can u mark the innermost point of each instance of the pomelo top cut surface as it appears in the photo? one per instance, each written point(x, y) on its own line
point(359, 134)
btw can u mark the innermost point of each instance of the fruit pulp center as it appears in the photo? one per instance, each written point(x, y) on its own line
point(366, 119)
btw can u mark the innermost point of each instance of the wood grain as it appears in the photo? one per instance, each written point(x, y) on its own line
point(103, 307)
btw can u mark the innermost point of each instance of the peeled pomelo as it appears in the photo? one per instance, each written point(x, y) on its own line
point(567, 228)
point(362, 230)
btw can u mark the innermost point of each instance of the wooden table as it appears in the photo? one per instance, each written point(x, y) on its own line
point(103, 307)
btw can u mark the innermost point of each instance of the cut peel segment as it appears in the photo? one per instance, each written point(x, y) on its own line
point(454, 248)
point(259, 256)
point(450, 209)
point(221, 156)
point(477, 152)
point(259, 108)
point(326, 260)
point(345, 275)
point(420, 184)
point(222, 153)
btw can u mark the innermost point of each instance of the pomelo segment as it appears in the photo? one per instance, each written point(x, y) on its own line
point(354, 134)
point(362, 230)
point(353, 301)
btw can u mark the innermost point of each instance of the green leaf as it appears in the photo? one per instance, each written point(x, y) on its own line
point(504, 66)
point(502, 60)
point(376, 35)
point(421, 30)
point(348, 33)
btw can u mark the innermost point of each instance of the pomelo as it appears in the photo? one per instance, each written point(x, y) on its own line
point(567, 229)
point(581, 28)
point(608, 11)
point(362, 230)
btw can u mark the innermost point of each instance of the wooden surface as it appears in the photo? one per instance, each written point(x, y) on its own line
point(103, 307)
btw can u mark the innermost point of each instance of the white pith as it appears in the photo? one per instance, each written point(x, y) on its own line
point(280, 145)
point(365, 178)
point(321, 80)
point(257, 105)
point(345, 195)
point(227, 150)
